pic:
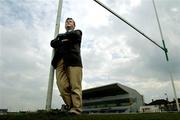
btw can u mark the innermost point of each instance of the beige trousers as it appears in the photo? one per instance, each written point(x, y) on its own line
point(69, 84)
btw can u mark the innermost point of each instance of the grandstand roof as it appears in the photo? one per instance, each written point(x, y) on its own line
point(107, 90)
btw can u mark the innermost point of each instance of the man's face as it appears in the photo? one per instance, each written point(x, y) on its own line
point(69, 24)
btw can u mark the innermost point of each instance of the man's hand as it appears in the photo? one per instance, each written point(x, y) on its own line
point(65, 40)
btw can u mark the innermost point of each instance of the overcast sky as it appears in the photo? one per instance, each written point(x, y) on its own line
point(112, 52)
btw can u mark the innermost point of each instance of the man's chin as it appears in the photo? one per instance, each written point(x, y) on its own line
point(69, 28)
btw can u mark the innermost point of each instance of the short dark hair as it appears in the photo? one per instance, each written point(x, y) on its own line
point(71, 19)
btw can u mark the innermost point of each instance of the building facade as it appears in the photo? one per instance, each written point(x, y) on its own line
point(3, 111)
point(113, 98)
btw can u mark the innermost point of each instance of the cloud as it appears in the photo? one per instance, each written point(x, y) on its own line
point(25, 53)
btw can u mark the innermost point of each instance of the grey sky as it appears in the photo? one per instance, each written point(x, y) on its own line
point(111, 50)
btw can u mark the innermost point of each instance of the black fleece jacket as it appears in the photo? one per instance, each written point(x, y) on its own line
point(67, 47)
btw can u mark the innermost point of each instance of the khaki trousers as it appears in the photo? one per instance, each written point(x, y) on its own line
point(69, 84)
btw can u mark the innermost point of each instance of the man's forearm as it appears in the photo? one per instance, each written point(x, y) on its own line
point(56, 43)
point(70, 35)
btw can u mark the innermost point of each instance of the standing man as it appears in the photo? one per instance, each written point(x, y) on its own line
point(68, 65)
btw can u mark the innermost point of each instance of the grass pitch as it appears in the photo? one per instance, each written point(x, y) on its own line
point(63, 116)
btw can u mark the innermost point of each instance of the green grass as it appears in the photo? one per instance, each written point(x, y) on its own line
point(63, 116)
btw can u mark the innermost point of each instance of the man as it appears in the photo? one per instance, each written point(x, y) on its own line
point(68, 65)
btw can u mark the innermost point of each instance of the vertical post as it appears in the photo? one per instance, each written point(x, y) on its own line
point(171, 76)
point(174, 89)
point(51, 73)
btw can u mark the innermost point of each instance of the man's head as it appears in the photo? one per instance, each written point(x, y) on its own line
point(70, 24)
